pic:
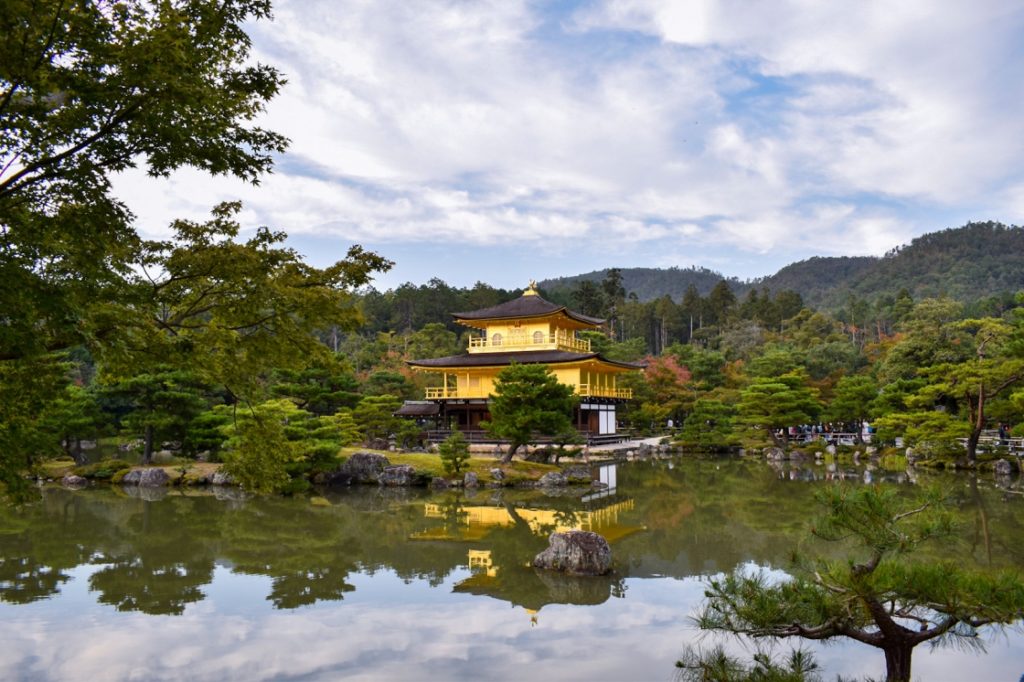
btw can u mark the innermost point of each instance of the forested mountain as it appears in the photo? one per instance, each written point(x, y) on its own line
point(651, 283)
point(821, 280)
point(967, 263)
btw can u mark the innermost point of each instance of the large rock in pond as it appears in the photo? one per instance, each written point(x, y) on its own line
point(74, 482)
point(470, 480)
point(397, 476)
point(1003, 467)
point(578, 474)
point(146, 478)
point(221, 478)
point(775, 454)
point(553, 479)
point(576, 552)
point(361, 467)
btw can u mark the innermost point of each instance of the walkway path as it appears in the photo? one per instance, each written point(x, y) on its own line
point(626, 445)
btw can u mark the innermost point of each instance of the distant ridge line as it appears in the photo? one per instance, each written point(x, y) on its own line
point(975, 261)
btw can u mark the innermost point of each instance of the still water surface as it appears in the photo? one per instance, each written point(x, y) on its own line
point(104, 584)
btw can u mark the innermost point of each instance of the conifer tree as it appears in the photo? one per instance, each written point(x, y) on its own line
point(882, 595)
point(528, 401)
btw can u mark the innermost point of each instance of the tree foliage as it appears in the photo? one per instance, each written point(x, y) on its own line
point(275, 446)
point(375, 417)
point(528, 401)
point(160, 403)
point(90, 89)
point(258, 451)
point(709, 425)
point(881, 595)
point(769, 404)
point(454, 452)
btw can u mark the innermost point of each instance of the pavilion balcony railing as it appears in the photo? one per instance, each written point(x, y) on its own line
point(440, 393)
point(583, 390)
point(589, 391)
point(480, 436)
point(555, 341)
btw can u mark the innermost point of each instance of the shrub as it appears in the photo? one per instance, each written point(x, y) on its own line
point(103, 469)
point(258, 452)
point(454, 454)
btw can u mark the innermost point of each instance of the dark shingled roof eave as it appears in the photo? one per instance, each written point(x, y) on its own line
point(417, 408)
point(545, 357)
point(525, 306)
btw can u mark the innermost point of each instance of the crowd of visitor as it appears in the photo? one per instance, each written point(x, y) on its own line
point(831, 433)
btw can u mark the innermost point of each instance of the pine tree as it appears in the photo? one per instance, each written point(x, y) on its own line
point(882, 595)
point(528, 401)
point(454, 453)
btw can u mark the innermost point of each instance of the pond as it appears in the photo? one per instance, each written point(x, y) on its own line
point(103, 584)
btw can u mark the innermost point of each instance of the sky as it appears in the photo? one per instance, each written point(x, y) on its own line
point(505, 140)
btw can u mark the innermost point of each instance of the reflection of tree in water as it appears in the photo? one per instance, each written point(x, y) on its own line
point(740, 510)
point(39, 543)
point(154, 582)
point(708, 515)
point(567, 518)
point(992, 534)
point(454, 515)
point(701, 516)
point(23, 580)
point(161, 564)
point(304, 588)
point(307, 552)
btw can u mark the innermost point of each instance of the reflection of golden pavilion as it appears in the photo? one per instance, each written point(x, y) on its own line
point(518, 584)
point(480, 561)
point(475, 522)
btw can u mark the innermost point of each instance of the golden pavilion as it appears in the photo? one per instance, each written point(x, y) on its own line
point(527, 330)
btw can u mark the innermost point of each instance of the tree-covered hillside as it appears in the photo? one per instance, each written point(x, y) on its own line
point(819, 278)
point(969, 263)
point(651, 283)
point(966, 264)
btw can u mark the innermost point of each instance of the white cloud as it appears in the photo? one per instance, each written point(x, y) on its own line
point(482, 123)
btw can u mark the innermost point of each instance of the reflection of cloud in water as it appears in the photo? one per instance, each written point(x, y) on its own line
point(391, 630)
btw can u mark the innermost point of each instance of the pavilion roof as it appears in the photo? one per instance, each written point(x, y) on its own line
point(530, 304)
point(417, 408)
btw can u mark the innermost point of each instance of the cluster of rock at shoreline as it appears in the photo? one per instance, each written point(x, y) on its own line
point(1000, 467)
point(376, 469)
point(370, 468)
point(363, 468)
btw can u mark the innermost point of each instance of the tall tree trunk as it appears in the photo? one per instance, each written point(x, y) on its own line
point(977, 424)
point(507, 457)
point(76, 452)
point(147, 447)
point(975, 436)
point(897, 662)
